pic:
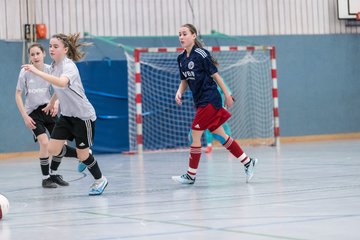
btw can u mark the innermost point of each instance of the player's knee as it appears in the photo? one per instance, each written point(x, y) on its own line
point(54, 150)
point(43, 141)
point(82, 154)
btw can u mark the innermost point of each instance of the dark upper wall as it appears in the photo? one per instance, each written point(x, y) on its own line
point(317, 78)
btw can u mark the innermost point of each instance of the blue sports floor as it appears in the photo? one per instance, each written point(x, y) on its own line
point(300, 191)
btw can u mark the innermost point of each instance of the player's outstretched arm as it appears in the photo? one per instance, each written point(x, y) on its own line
point(57, 81)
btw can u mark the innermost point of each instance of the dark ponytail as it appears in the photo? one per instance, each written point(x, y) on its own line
point(72, 42)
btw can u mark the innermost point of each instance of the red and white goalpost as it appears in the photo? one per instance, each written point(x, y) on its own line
point(156, 122)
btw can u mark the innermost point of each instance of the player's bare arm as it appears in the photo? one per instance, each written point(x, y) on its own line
point(182, 87)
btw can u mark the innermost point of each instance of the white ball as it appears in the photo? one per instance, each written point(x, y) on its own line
point(4, 206)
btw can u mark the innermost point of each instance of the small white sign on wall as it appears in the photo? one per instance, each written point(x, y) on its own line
point(347, 9)
point(354, 6)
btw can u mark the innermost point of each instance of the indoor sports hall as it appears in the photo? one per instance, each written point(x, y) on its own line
point(290, 67)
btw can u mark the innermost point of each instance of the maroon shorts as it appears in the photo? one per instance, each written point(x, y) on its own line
point(209, 117)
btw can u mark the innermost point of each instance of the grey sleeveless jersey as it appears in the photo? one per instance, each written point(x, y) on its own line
point(73, 101)
point(37, 90)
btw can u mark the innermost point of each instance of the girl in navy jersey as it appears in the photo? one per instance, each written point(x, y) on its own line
point(77, 119)
point(198, 71)
point(37, 96)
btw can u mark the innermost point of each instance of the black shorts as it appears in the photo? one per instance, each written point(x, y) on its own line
point(69, 128)
point(43, 121)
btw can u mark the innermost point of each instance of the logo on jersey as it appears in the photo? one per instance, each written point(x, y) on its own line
point(191, 65)
point(38, 90)
point(190, 75)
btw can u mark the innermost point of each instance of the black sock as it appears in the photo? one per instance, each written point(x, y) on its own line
point(55, 162)
point(93, 167)
point(44, 164)
point(68, 152)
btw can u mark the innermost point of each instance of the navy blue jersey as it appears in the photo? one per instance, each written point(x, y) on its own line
point(197, 70)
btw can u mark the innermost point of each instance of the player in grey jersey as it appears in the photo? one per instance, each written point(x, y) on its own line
point(77, 119)
point(37, 96)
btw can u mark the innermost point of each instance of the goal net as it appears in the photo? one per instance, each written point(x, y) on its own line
point(157, 122)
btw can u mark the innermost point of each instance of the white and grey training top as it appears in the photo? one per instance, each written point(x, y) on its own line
point(73, 101)
point(37, 90)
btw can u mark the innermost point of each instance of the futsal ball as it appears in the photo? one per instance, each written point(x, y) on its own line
point(4, 206)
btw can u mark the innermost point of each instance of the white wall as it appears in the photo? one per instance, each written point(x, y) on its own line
point(163, 17)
